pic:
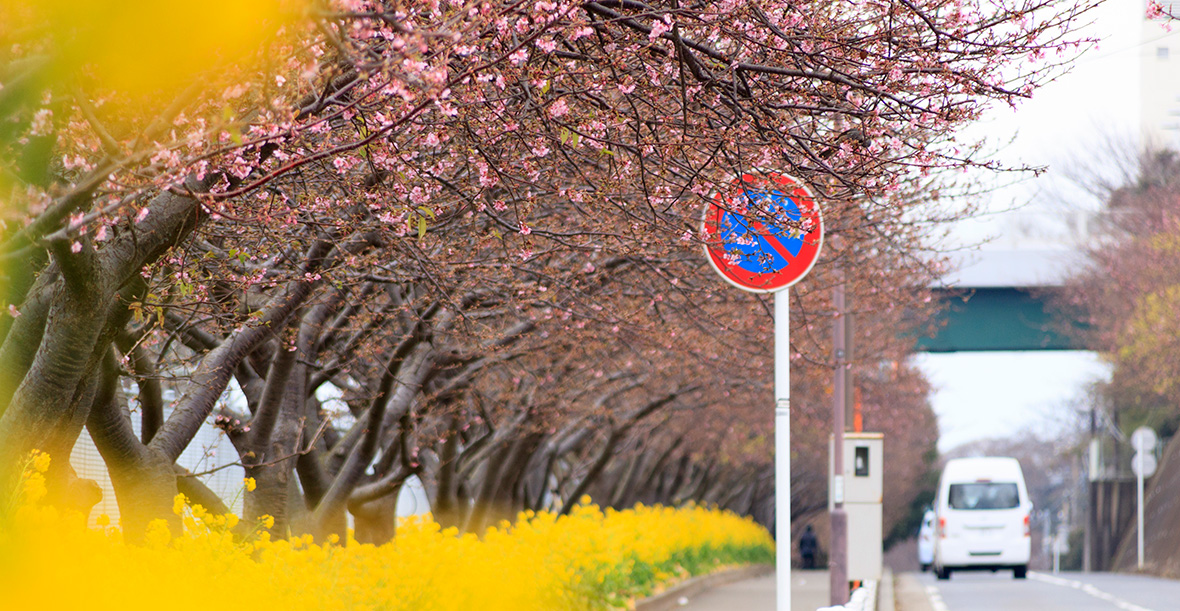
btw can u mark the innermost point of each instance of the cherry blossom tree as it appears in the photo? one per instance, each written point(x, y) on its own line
point(1127, 291)
point(395, 198)
point(1128, 294)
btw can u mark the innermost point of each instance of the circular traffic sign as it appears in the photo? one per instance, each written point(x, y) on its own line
point(1143, 439)
point(1143, 464)
point(763, 233)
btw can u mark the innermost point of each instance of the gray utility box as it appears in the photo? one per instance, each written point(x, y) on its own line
point(862, 485)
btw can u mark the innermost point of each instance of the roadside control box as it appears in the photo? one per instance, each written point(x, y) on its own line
point(861, 486)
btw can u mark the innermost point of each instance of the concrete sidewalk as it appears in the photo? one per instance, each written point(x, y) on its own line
point(809, 591)
point(911, 594)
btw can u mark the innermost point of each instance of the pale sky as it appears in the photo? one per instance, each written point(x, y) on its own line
point(982, 395)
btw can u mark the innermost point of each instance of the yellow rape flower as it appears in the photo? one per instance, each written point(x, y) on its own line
point(179, 502)
point(158, 535)
point(40, 461)
point(591, 559)
point(33, 488)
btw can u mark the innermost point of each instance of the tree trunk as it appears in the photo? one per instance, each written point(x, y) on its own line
point(272, 465)
point(144, 479)
point(145, 489)
point(376, 521)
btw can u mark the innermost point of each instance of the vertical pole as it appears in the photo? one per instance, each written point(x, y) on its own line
point(838, 554)
point(1057, 550)
point(1047, 537)
point(1091, 477)
point(782, 448)
point(850, 404)
point(1139, 494)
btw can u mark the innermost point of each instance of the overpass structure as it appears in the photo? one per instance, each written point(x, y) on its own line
point(999, 300)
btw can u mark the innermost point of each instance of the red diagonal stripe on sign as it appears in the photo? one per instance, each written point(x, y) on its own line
point(771, 239)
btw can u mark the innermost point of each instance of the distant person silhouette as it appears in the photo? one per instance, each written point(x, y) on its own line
point(807, 547)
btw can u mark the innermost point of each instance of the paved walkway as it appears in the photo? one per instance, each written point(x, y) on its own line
point(809, 591)
point(911, 594)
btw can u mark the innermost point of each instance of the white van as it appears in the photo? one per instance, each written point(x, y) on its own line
point(982, 517)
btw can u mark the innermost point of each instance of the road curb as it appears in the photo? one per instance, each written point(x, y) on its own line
point(670, 598)
point(886, 601)
point(910, 594)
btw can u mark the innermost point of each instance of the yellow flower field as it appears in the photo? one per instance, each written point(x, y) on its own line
point(590, 559)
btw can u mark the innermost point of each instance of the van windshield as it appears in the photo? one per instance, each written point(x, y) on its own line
point(983, 496)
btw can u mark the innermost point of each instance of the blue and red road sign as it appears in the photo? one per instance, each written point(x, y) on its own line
point(764, 233)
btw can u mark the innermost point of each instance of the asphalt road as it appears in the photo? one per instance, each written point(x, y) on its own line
point(1049, 592)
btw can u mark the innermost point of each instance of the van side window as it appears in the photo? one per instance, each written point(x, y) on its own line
point(983, 496)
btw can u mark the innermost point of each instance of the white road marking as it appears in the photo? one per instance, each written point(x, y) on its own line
point(1087, 588)
point(935, 599)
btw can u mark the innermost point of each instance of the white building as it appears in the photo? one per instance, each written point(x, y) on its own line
point(212, 457)
point(1159, 73)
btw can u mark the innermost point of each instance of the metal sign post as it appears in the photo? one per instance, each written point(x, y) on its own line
point(762, 236)
point(782, 447)
point(1139, 500)
point(1144, 465)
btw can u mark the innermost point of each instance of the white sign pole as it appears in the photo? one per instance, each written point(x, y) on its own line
point(786, 195)
point(1139, 493)
point(1057, 550)
point(782, 448)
